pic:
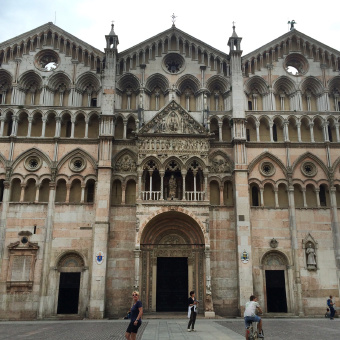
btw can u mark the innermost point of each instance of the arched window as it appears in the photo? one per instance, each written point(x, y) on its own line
point(15, 190)
point(119, 129)
point(298, 196)
point(324, 201)
point(30, 190)
point(274, 132)
point(282, 196)
point(228, 196)
point(130, 192)
point(255, 199)
point(90, 191)
point(61, 191)
point(44, 190)
point(116, 193)
point(268, 196)
point(214, 193)
point(75, 191)
point(2, 188)
point(311, 196)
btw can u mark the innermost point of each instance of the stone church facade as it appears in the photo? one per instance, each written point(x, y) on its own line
point(167, 167)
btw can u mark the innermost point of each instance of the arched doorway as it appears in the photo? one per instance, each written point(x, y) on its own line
point(70, 268)
point(276, 282)
point(172, 246)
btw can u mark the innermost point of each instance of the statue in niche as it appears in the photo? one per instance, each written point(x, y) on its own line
point(311, 257)
point(172, 187)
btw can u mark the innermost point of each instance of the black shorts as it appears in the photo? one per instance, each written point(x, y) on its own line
point(132, 328)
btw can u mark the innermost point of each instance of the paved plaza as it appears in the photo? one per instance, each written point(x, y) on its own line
point(162, 329)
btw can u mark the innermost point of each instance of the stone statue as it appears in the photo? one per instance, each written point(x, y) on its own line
point(292, 23)
point(311, 257)
point(172, 187)
point(173, 123)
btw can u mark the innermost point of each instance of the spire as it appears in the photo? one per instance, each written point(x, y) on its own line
point(112, 38)
point(234, 35)
point(234, 41)
point(112, 32)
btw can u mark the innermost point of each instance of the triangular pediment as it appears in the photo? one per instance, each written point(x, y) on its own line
point(173, 119)
point(45, 29)
point(169, 34)
point(293, 34)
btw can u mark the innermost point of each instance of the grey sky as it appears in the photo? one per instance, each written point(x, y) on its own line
point(258, 22)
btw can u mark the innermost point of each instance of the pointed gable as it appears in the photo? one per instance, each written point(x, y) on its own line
point(166, 37)
point(50, 31)
point(173, 119)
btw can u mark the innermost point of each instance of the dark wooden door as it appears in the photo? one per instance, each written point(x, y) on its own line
point(172, 284)
point(276, 291)
point(68, 293)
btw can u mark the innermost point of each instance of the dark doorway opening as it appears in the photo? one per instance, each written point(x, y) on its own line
point(276, 291)
point(68, 293)
point(172, 284)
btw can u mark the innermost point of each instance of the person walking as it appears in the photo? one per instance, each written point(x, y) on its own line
point(136, 317)
point(331, 304)
point(192, 311)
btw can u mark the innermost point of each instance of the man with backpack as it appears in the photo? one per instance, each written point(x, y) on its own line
point(330, 305)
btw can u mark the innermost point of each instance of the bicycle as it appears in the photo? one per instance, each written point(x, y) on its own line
point(252, 331)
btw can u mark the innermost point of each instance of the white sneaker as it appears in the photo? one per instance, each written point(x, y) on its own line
point(189, 330)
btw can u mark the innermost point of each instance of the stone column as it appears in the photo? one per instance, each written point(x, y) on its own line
point(257, 131)
point(140, 173)
point(336, 130)
point(30, 119)
point(86, 128)
point(137, 261)
point(45, 296)
point(37, 187)
point(220, 131)
point(123, 194)
point(184, 173)
point(304, 197)
point(271, 131)
point(68, 187)
point(261, 197)
point(221, 195)
point(286, 123)
point(22, 193)
point(298, 126)
point(82, 197)
point(124, 132)
point(335, 228)
point(317, 191)
point(2, 124)
point(72, 127)
point(43, 126)
point(311, 132)
point(276, 198)
point(209, 307)
point(161, 173)
point(3, 219)
point(294, 241)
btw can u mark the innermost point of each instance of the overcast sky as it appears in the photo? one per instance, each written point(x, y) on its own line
point(258, 22)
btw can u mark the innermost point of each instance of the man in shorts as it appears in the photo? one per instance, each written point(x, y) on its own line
point(252, 308)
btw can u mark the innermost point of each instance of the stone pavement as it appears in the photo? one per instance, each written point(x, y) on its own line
point(174, 329)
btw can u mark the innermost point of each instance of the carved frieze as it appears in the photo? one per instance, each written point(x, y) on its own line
point(164, 147)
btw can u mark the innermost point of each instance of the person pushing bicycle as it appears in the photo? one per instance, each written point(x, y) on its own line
point(250, 315)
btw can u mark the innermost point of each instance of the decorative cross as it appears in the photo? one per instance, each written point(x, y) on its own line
point(234, 23)
point(173, 19)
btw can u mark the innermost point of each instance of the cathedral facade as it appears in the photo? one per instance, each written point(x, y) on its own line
point(168, 167)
